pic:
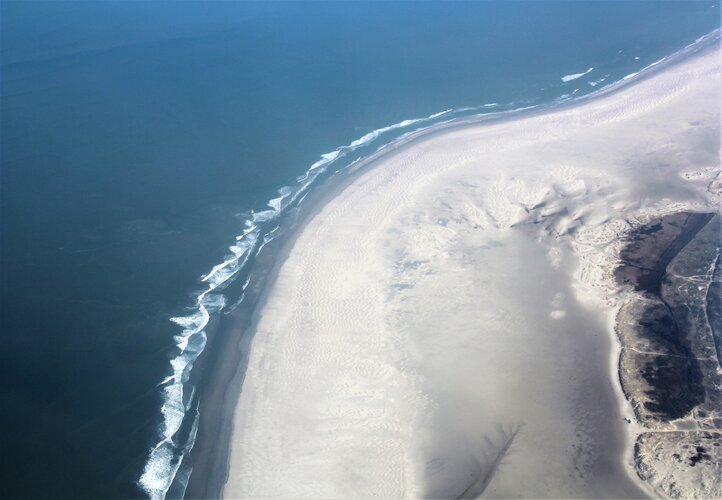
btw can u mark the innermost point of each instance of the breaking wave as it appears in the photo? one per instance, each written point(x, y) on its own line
point(569, 78)
point(167, 467)
point(167, 456)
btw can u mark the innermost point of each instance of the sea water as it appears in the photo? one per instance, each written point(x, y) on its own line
point(149, 149)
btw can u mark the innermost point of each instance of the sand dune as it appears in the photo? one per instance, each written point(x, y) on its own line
point(443, 325)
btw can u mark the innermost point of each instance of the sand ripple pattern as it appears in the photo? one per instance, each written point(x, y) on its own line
point(441, 327)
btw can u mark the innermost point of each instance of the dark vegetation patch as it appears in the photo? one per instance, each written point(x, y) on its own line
point(700, 456)
point(674, 377)
point(675, 386)
point(650, 249)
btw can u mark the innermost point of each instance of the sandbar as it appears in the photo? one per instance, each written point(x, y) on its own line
point(443, 325)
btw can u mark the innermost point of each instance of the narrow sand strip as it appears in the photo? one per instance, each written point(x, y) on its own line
point(443, 325)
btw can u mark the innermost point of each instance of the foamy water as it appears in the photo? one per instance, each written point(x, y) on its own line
point(167, 456)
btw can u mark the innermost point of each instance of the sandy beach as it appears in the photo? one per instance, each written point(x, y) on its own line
point(443, 325)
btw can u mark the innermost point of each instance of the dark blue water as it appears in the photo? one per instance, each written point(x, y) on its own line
point(137, 137)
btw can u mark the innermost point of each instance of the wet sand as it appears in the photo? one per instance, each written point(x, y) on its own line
point(443, 325)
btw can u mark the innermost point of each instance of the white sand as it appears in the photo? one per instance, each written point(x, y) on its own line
point(458, 291)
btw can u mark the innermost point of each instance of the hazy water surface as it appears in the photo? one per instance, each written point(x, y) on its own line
point(137, 137)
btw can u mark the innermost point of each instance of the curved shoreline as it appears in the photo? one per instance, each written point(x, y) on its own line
point(387, 158)
point(319, 196)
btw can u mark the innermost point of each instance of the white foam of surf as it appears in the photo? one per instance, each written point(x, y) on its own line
point(477, 108)
point(328, 158)
point(441, 113)
point(569, 78)
point(655, 63)
point(165, 458)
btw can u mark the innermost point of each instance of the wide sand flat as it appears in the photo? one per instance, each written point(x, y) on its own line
point(442, 326)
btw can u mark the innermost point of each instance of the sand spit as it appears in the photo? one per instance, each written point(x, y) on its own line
point(444, 325)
